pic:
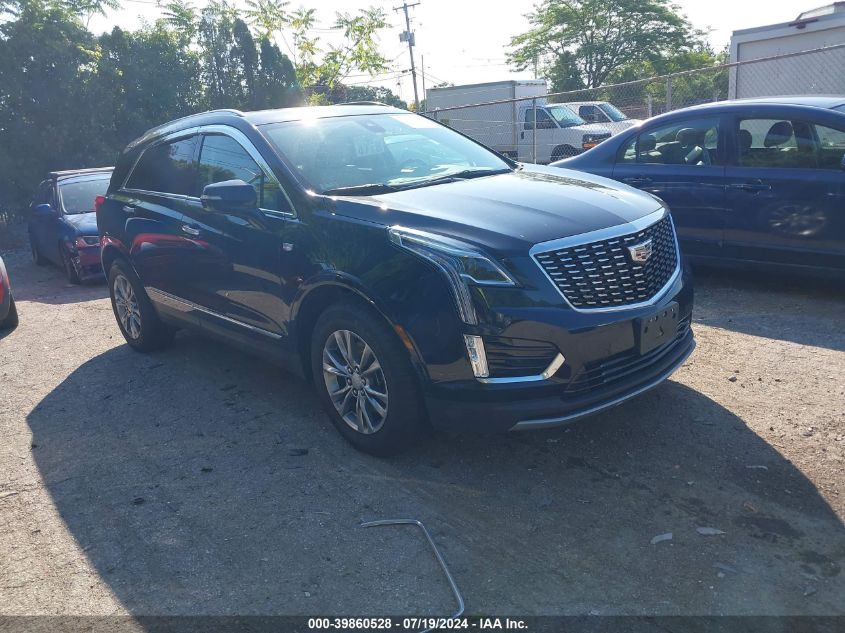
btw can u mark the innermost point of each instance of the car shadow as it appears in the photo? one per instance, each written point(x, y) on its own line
point(199, 480)
point(769, 305)
point(48, 284)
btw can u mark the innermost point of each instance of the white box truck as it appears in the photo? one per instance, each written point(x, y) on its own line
point(501, 116)
point(795, 73)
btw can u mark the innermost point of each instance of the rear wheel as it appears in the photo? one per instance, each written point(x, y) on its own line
point(137, 319)
point(365, 380)
point(11, 320)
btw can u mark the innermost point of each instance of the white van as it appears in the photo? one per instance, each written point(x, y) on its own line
point(604, 113)
point(560, 133)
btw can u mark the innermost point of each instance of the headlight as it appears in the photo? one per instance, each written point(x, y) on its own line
point(461, 263)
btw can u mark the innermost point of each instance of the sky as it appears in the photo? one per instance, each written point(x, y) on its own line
point(465, 41)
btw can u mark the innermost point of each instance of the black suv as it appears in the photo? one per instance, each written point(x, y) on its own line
point(416, 276)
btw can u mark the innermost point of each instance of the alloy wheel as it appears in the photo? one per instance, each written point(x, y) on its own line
point(355, 381)
point(126, 304)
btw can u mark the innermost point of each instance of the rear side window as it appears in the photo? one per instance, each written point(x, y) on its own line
point(789, 143)
point(223, 158)
point(689, 142)
point(166, 168)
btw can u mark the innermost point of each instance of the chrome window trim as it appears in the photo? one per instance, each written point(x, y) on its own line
point(225, 130)
point(599, 235)
point(191, 131)
point(183, 305)
point(544, 423)
point(241, 139)
point(551, 370)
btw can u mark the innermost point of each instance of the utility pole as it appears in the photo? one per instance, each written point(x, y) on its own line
point(422, 72)
point(408, 36)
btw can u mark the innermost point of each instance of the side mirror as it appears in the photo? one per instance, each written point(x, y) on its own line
point(229, 195)
point(44, 211)
point(842, 164)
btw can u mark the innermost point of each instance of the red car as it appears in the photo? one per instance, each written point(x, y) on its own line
point(8, 312)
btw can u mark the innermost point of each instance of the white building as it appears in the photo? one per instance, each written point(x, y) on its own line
point(812, 73)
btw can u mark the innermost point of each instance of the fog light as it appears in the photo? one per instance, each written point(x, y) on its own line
point(477, 356)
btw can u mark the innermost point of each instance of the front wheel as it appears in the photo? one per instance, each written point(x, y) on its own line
point(365, 380)
point(37, 258)
point(71, 272)
point(137, 319)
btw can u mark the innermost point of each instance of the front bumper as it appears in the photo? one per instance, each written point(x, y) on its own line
point(524, 411)
point(88, 264)
point(603, 368)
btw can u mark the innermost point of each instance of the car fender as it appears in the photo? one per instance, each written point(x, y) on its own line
point(349, 283)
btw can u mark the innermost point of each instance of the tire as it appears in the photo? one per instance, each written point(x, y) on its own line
point(37, 258)
point(386, 372)
point(67, 264)
point(11, 320)
point(138, 321)
point(563, 151)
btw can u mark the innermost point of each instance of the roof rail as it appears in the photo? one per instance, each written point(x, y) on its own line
point(192, 116)
point(228, 110)
point(371, 103)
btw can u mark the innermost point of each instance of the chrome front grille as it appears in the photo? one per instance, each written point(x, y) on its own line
point(602, 274)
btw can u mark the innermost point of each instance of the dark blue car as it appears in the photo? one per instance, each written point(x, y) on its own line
point(757, 183)
point(415, 276)
point(63, 224)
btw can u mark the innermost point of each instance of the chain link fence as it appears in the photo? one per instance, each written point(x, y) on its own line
point(545, 128)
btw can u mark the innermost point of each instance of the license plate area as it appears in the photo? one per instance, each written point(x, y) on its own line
point(657, 329)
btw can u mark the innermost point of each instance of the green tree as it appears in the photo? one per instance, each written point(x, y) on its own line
point(47, 63)
point(590, 39)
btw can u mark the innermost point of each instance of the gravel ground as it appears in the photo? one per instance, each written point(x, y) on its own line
point(200, 480)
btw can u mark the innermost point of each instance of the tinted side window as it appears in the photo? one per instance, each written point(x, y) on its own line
point(831, 146)
point(591, 114)
point(223, 158)
point(44, 194)
point(166, 168)
point(789, 143)
point(544, 120)
point(692, 142)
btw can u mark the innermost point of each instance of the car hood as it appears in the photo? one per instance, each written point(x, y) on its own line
point(84, 223)
point(508, 213)
point(591, 128)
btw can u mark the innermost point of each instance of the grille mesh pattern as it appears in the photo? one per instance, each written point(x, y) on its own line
point(602, 274)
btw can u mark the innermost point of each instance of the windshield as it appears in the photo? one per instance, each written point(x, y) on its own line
point(564, 116)
point(78, 197)
point(389, 150)
point(614, 113)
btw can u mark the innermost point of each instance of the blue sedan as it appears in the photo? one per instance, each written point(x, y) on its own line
point(63, 224)
point(752, 183)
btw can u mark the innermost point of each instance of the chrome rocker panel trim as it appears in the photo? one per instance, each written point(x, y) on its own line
point(544, 423)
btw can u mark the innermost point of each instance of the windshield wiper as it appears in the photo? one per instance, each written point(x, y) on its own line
point(362, 190)
point(459, 175)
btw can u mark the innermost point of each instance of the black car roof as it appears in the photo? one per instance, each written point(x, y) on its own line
point(70, 173)
point(263, 117)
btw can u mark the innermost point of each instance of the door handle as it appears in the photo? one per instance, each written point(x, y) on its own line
point(128, 210)
point(637, 180)
point(190, 230)
point(751, 187)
